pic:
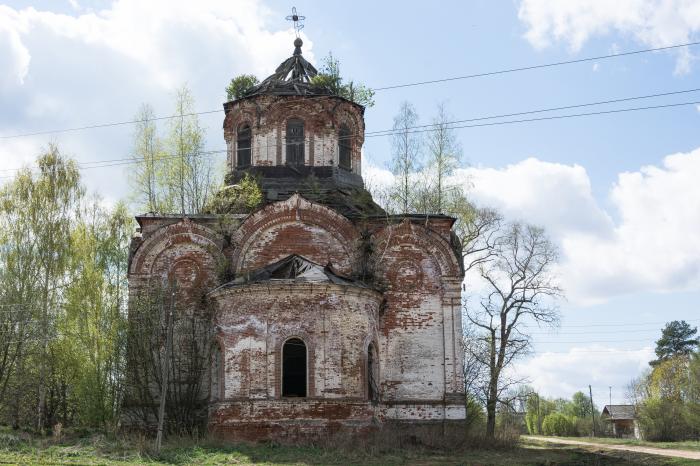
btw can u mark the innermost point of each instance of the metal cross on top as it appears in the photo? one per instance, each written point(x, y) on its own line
point(297, 19)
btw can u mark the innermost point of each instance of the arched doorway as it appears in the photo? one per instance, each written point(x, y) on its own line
point(294, 368)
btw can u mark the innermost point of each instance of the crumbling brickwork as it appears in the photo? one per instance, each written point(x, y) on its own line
point(358, 311)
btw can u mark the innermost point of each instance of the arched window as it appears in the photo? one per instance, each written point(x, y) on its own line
point(344, 148)
point(372, 390)
point(244, 144)
point(295, 142)
point(294, 368)
point(217, 388)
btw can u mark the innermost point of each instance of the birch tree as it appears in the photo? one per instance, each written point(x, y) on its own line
point(146, 176)
point(444, 154)
point(189, 171)
point(406, 145)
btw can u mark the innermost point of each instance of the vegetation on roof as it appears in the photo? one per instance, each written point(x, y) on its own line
point(239, 85)
point(329, 77)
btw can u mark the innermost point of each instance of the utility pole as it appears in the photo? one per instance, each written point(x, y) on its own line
point(610, 403)
point(165, 370)
point(590, 393)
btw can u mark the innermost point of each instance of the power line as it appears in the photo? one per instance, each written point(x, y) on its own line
point(106, 125)
point(554, 117)
point(450, 125)
point(396, 86)
point(543, 110)
point(535, 67)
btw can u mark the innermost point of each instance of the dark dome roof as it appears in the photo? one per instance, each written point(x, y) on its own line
point(292, 77)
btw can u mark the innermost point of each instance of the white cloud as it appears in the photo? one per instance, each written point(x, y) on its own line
point(542, 193)
point(648, 241)
point(655, 23)
point(653, 246)
point(95, 66)
point(562, 374)
point(14, 56)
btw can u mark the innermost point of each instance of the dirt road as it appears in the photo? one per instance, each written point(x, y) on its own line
point(693, 455)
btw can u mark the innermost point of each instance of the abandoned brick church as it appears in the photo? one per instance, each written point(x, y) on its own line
point(329, 315)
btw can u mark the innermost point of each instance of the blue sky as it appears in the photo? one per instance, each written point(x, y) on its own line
point(616, 192)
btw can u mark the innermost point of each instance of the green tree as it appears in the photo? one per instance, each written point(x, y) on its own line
point(189, 175)
point(95, 316)
point(558, 424)
point(536, 409)
point(146, 177)
point(43, 205)
point(580, 406)
point(677, 338)
point(239, 85)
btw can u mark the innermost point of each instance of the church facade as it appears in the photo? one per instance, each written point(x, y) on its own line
point(328, 314)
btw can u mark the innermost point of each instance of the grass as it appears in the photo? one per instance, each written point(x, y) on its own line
point(135, 451)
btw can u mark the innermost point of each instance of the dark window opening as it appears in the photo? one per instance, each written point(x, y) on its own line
point(295, 142)
point(344, 148)
point(372, 391)
point(294, 368)
point(244, 145)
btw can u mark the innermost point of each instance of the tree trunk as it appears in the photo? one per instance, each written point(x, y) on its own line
point(491, 410)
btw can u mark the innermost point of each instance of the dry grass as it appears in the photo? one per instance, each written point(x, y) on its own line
point(377, 450)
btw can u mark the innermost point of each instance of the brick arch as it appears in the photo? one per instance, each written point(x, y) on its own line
point(277, 113)
point(372, 338)
point(414, 235)
point(184, 232)
point(258, 243)
point(278, 344)
point(236, 117)
point(219, 345)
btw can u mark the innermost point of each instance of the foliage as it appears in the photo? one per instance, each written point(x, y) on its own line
point(63, 268)
point(147, 176)
point(662, 420)
point(536, 409)
point(242, 197)
point(678, 338)
point(668, 395)
point(172, 173)
point(239, 85)
point(558, 424)
point(329, 77)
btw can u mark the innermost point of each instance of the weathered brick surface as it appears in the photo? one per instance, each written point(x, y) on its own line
point(410, 312)
point(268, 115)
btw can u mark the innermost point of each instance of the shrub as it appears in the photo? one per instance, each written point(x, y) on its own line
point(663, 420)
point(558, 424)
point(240, 198)
point(240, 85)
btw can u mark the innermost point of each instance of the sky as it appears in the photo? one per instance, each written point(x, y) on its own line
point(617, 193)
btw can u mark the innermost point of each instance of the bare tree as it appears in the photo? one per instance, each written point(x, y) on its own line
point(521, 288)
point(406, 149)
point(477, 231)
point(444, 154)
